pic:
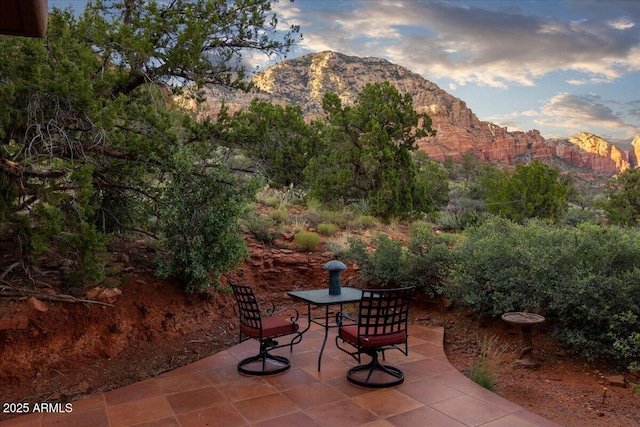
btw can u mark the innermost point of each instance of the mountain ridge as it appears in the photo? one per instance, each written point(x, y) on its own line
point(304, 80)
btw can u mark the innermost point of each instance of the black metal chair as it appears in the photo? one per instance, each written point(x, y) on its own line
point(264, 328)
point(382, 324)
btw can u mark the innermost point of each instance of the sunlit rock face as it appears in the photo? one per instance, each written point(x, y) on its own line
point(634, 154)
point(303, 81)
point(601, 155)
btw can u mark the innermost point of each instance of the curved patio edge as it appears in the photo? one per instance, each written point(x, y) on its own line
point(211, 392)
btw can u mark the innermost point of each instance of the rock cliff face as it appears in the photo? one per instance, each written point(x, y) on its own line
point(303, 81)
point(634, 154)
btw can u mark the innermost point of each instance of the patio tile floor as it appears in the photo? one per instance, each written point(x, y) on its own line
point(211, 392)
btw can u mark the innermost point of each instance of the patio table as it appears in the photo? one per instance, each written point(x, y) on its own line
point(322, 298)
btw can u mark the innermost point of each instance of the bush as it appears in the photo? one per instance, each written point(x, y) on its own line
point(338, 247)
point(577, 216)
point(386, 266)
point(586, 278)
point(261, 228)
point(280, 216)
point(307, 240)
point(327, 229)
point(200, 223)
point(365, 222)
point(482, 374)
point(422, 263)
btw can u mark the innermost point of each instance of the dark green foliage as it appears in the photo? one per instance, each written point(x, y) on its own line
point(200, 222)
point(622, 204)
point(365, 151)
point(531, 191)
point(307, 241)
point(386, 266)
point(423, 262)
point(261, 228)
point(431, 187)
point(277, 138)
point(92, 139)
point(585, 278)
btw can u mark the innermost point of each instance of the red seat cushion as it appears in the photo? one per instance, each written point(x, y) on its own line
point(271, 327)
point(372, 340)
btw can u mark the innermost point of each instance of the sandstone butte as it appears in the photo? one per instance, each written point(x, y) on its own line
point(304, 80)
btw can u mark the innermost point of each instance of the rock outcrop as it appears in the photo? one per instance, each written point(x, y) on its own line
point(634, 154)
point(304, 80)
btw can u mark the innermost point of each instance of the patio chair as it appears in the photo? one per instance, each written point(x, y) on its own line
point(381, 325)
point(264, 328)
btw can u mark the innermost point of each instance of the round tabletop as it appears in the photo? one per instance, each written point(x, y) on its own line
point(522, 318)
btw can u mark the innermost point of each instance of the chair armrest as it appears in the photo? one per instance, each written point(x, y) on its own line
point(341, 316)
point(271, 311)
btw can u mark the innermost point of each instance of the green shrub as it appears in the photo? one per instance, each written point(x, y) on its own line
point(307, 240)
point(585, 278)
point(201, 224)
point(327, 229)
point(262, 228)
point(365, 222)
point(314, 217)
point(482, 370)
point(577, 216)
point(270, 197)
point(482, 374)
point(422, 263)
point(386, 266)
point(338, 248)
point(280, 216)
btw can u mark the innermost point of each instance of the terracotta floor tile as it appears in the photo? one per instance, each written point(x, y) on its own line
point(388, 402)
point(341, 414)
point(189, 381)
point(23, 421)
point(535, 419)
point(215, 361)
point(133, 392)
point(509, 421)
point(428, 391)
point(305, 360)
point(223, 375)
point(211, 392)
point(90, 403)
point(316, 394)
point(298, 419)
point(293, 378)
point(427, 368)
point(139, 411)
point(424, 416)
point(164, 422)
point(218, 416)
point(427, 349)
point(433, 335)
point(378, 423)
point(195, 399)
point(345, 387)
point(246, 388)
point(93, 418)
point(469, 410)
point(331, 368)
point(494, 399)
point(266, 407)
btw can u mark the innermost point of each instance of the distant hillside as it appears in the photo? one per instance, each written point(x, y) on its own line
point(304, 80)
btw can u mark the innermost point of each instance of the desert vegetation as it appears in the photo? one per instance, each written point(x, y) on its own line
point(95, 144)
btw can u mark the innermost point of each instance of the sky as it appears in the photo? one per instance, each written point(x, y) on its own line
point(561, 67)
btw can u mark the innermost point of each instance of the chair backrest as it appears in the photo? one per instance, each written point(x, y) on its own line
point(384, 311)
point(247, 306)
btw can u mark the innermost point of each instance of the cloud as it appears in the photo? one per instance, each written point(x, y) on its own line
point(579, 112)
point(468, 44)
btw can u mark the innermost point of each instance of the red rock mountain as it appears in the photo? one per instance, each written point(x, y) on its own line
point(304, 80)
